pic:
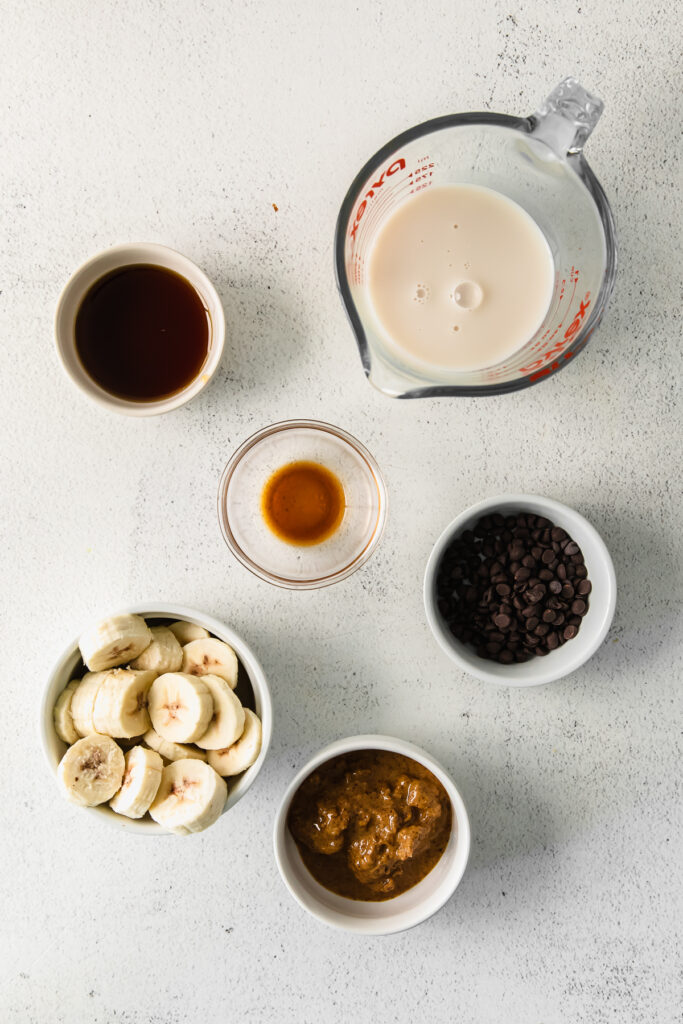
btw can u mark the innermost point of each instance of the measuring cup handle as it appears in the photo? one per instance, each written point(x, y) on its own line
point(567, 117)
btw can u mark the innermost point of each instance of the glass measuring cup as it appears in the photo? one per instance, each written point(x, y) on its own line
point(536, 161)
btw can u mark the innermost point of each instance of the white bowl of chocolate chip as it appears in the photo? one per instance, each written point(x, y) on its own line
point(514, 577)
point(158, 719)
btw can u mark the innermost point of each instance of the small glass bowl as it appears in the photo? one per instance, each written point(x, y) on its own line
point(301, 567)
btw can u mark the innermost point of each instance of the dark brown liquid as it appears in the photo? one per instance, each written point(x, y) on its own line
point(142, 332)
point(303, 503)
point(370, 824)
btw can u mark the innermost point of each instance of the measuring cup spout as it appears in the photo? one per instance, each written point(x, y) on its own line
point(567, 118)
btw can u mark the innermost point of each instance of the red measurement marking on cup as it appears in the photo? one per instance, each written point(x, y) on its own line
point(383, 191)
point(550, 334)
point(420, 177)
point(423, 169)
point(544, 349)
point(378, 211)
point(389, 198)
point(556, 350)
point(387, 201)
point(553, 315)
point(547, 339)
point(393, 168)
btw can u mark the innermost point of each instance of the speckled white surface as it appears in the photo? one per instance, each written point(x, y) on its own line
point(183, 123)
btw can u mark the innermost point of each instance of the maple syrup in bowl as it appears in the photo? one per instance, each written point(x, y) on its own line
point(140, 329)
point(302, 504)
point(142, 332)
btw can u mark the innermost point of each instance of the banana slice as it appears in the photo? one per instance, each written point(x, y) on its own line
point(242, 754)
point(64, 723)
point(83, 702)
point(211, 657)
point(171, 751)
point(141, 780)
point(184, 632)
point(115, 641)
point(227, 721)
point(91, 770)
point(190, 798)
point(164, 654)
point(180, 706)
point(120, 707)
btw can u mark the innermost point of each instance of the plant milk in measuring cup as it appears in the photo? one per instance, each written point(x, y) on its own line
point(509, 296)
point(460, 277)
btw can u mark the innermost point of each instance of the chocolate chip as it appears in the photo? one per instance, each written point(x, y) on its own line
point(505, 587)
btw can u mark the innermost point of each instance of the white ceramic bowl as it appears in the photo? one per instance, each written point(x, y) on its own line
point(121, 256)
point(594, 627)
point(402, 912)
point(54, 748)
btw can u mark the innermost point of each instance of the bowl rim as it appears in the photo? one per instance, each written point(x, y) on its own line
point(407, 919)
point(555, 669)
point(128, 253)
point(287, 582)
point(252, 666)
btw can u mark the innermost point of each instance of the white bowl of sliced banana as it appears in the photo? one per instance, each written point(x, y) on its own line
point(157, 720)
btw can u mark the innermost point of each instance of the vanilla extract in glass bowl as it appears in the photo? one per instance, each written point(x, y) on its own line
point(302, 504)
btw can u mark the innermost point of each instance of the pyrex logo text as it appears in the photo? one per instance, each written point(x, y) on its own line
point(567, 338)
point(398, 165)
